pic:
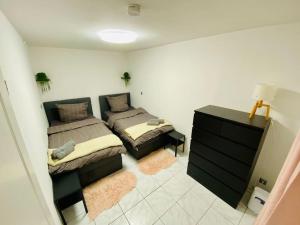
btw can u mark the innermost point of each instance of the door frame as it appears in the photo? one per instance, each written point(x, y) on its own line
point(16, 133)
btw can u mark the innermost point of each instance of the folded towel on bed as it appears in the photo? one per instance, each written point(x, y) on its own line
point(63, 150)
point(86, 148)
point(138, 130)
point(155, 122)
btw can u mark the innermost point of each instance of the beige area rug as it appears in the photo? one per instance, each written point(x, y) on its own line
point(156, 161)
point(105, 193)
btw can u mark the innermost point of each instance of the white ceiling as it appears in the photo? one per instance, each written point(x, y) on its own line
point(75, 23)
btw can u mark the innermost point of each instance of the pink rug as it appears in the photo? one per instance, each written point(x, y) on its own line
point(156, 161)
point(105, 193)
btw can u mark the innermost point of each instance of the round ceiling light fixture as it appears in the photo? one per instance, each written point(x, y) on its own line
point(118, 36)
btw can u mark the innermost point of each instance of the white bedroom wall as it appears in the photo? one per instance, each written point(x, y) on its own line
point(79, 73)
point(24, 98)
point(222, 70)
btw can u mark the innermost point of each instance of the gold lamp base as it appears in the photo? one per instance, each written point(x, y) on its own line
point(257, 105)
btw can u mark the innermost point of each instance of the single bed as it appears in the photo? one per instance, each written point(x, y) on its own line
point(93, 165)
point(133, 117)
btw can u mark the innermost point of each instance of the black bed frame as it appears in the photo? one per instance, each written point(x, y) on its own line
point(143, 149)
point(93, 171)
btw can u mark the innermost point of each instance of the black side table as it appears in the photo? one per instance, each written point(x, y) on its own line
point(176, 139)
point(67, 191)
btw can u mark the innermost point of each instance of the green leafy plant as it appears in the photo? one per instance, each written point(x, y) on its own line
point(43, 80)
point(126, 77)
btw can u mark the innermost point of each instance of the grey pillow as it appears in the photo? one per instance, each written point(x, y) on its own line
point(118, 103)
point(63, 150)
point(72, 112)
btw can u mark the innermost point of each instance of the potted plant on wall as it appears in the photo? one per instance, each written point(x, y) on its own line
point(43, 81)
point(126, 77)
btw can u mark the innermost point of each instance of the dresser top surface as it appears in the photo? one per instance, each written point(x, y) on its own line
point(234, 115)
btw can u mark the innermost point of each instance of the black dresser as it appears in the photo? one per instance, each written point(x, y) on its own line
point(224, 148)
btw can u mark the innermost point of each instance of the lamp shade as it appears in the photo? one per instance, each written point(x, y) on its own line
point(264, 92)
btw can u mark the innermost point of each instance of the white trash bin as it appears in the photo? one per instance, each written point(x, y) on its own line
point(258, 199)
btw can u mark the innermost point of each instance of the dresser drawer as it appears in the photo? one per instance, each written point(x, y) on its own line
point(219, 173)
point(208, 123)
point(241, 134)
point(226, 193)
point(232, 149)
point(239, 169)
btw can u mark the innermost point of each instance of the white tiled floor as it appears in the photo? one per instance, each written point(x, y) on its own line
point(170, 197)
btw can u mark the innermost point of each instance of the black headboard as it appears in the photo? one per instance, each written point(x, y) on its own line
point(52, 112)
point(104, 106)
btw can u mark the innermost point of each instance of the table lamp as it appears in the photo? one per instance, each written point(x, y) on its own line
point(262, 92)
